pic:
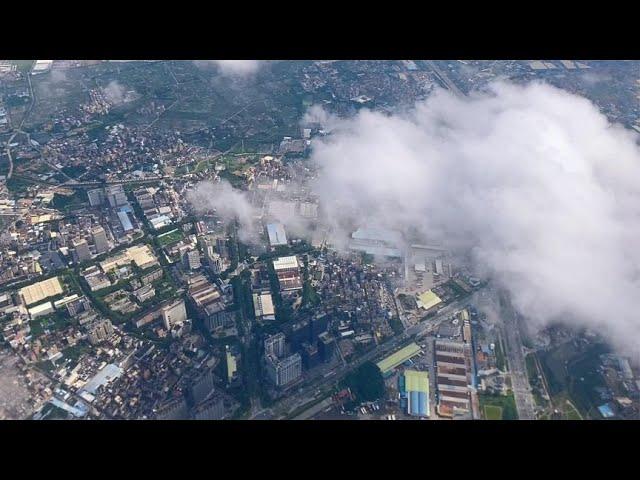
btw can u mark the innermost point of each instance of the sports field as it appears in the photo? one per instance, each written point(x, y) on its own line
point(170, 237)
point(492, 412)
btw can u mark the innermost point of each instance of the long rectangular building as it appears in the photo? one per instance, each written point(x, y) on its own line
point(263, 306)
point(276, 234)
point(416, 385)
point(453, 378)
point(41, 290)
point(387, 364)
point(141, 255)
point(288, 272)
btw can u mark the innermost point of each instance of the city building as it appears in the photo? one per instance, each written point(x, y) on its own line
point(376, 241)
point(222, 248)
point(263, 306)
point(428, 301)
point(174, 313)
point(96, 197)
point(201, 387)
point(141, 255)
point(275, 345)
point(310, 356)
point(191, 260)
point(215, 262)
point(41, 310)
point(211, 409)
point(416, 384)
point(96, 278)
point(204, 296)
point(151, 277)
point(99, 331)
point(285, 371)
point(100, 240)
point(81, 250)
point(115, 195)
point(386, 365)
point(144, 293)
point(174, 410)
point(40, 290)
point(125, 221)
point(277, 236)
point(453, 378)
point(326, 346)
point(287, 270)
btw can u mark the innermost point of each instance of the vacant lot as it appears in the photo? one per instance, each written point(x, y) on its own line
point(490, 404)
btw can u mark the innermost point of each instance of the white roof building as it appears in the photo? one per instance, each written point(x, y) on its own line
point(263, 306)
point(284, 263)
point(276, 234)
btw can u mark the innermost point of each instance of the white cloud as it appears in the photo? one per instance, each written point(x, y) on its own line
point(232, 68)
point(115, 93)
point(227, 203)
point(531, 182)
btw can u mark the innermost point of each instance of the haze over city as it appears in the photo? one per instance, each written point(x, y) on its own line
point(326, 240)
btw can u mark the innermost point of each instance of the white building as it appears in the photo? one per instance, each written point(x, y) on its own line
point(174, 313)
point(276, 234)
point(263, 306)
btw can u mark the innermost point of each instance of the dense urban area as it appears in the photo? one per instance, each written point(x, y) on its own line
point(125, 295)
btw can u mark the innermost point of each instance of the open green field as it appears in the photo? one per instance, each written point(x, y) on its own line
point(506, 404)
point(572, 374)
point(571, 412)
point(170, 237)
point(492, 412)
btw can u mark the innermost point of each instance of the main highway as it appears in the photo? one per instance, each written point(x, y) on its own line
point(519, 379)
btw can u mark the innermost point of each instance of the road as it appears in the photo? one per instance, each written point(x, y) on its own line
point(19, 129)
point(520, 382)
point(9, 155)
point(444, 79)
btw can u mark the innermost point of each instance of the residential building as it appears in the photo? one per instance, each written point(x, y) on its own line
point(100, 240)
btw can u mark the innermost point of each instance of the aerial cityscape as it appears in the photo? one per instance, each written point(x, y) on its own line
point(319, 240)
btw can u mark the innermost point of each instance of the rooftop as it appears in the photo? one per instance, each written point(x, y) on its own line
point(276, 234)
point(428, 300)
point(392, 361)
point(41, 290)
point(285, 262)
point(416, 381)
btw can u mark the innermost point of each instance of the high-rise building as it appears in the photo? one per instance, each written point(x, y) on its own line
point(221, 247)
point(310, 355)
point(191, 259)
point(326, 346)
point(99, 331)
point(100, 239)
point(201, 387)
point(115, 195)
point(77, 306)
point(212, 409)
point(284, 371)
point(274, 345)
point(174, 410)
point(96, 197)
point(82, 251)
point(319, 324)
point(174, 313)
point(215, 262)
